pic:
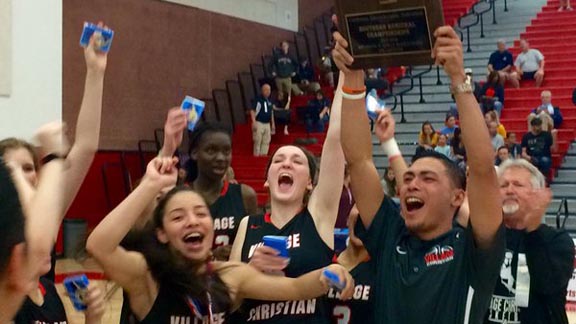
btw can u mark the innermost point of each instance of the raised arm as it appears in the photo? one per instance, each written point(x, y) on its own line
point(310, 285)
point(126, 268)
point(45, 208)
point(88, 123)
point(385, 128)
point(174, 127)
point(323, 204)
point(483, 190)
point(357, 140)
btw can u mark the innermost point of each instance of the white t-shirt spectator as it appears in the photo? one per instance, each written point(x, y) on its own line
point(529, 61)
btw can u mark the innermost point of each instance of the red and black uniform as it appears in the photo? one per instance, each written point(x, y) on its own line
point(307, 252)
point(227, 212)
point(50, 312)
point(359, 309)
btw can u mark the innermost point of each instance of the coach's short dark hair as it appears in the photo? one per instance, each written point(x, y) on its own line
point(456, 174)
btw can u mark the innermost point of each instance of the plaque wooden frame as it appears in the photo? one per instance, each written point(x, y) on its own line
point(352, 12)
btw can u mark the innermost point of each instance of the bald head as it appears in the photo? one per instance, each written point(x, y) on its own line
point(266, 90)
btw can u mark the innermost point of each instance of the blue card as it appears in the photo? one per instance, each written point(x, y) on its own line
point(373, 104)
point(76, 287)
point(333, 280)
point(340, 239)
point(279, 243)
point(104, 39)
point(194, 108)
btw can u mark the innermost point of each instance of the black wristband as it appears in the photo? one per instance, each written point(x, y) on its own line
point(50, 157)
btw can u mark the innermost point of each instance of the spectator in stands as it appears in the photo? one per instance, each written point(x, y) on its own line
point(564, 5)
point(457, 149)
point(318, 113)
point(427, 138)
point(502, 155)
point(305, 79)
point(530, 64)
point(514, 149)
point(374, 80)
point(537, 146)
point(442, 146)
point(550, 115)
point(283, 68)
point(539, 259)
point(262, 122)
point(282, 111)
point(497, 139)
point(491, 94)
point(492, 116)
point(501, 61)
point(389, 182)
point(449, 127)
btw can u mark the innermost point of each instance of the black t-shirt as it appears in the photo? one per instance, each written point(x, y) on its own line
point(51, 312)
point(307, 251)
point(537, 145)
point(445, 280)
point(500, 60)
point(549, 255)
point(170, 308)
point(359, 309)
point(227, 212)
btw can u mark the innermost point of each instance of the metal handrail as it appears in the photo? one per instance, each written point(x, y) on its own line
point(563, 205)
point(468, 27)
point(159, 138)
point(403, 91)
point(481, 13)
point(419, 76)
point(141, 152)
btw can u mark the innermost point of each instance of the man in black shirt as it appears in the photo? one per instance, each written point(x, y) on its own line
point(428, 268)
point(539, 259)
point(537, 146)
point(501, 61)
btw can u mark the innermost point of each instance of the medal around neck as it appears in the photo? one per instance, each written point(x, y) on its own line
point(194, 109)
point(389, 32)
point(103, 36)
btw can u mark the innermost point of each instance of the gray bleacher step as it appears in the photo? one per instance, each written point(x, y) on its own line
point(414, 127)
point(570, 225)
point(569, 162)
point(555, 203)
point(405, 149)
point(401, 138)
point(564, 190)
point(438, 117)
point(565, 176)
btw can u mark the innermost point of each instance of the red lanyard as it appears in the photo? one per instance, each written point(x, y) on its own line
point(195, 304)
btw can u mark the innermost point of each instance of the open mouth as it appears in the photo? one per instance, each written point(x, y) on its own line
point(285, 181)
point(413, 203)
point(194, 239)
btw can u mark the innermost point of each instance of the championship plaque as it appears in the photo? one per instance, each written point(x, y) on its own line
point(389, 32)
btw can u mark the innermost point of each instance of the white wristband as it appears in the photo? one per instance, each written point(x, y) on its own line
point(358, 96)
point(390, 148)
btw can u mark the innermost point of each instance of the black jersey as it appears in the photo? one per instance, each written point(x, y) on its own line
point(227, 212)
point(170, 308)
point(445, 280)
point(51, 312)
point(357, 310)
point(307, 251)
point(51, 275)
point(548, 255)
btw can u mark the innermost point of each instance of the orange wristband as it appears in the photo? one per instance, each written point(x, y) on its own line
point(353, 91)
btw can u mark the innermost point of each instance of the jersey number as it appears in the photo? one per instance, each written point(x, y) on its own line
point(221, 240)
point(342, 314)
